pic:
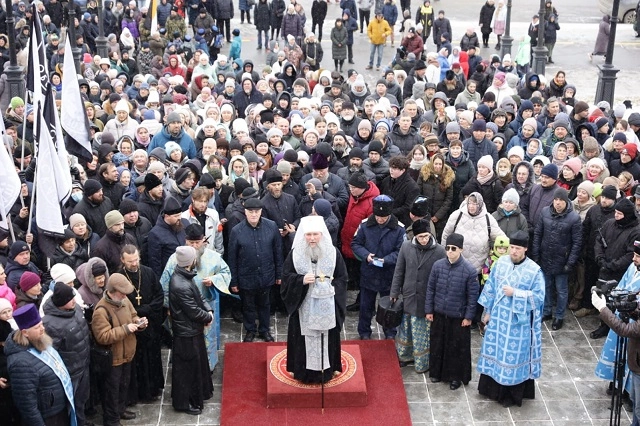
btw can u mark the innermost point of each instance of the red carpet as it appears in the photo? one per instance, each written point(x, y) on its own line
point(244, 390)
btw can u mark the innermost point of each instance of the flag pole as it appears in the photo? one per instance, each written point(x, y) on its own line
point(33, 197)
point(7, 218)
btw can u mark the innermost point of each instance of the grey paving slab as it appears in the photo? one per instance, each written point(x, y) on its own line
point(568, 393)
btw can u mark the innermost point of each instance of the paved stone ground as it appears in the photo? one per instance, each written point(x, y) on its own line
point(568, 393)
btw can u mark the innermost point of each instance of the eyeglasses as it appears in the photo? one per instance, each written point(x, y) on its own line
point(451, 248)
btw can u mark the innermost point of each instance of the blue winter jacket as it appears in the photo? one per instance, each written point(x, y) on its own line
point(384, 242)
point(255, 255)
point(452, 289)
point(390, 13)
point(183, 139)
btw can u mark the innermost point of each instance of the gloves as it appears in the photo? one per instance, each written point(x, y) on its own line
point(598, 301)
point(23, 176)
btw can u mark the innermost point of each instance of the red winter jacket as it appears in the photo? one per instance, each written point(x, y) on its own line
point(357, 211)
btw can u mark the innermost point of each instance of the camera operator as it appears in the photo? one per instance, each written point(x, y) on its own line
point(613, 249)
point(630, 330)
point(630, 282)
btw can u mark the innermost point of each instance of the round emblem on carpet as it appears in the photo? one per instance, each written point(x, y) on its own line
point(278, 367)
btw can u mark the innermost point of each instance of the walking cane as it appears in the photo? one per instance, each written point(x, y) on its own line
point(322, 368)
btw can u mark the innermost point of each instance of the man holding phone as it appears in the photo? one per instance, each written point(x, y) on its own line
point(377, 243)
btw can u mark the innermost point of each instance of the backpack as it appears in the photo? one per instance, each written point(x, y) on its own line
point(486, 216)
point(217, 41)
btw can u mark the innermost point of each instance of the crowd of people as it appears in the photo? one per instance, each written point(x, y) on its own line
point(474, 190)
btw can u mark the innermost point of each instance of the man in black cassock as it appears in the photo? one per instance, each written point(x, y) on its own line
point(314, 288)
point(147, 378)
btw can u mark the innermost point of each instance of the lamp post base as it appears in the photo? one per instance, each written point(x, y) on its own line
point(101, 46)
point(507, 42)
point(15, 78)
point(539, 59)
point(606, 83)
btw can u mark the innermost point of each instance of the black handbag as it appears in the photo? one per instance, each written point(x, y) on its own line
point(389, 315)
point(101, 357)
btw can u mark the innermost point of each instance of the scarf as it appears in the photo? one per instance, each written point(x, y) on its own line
point(485, 179)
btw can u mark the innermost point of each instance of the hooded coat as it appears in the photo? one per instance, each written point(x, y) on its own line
point(478, 239)
point(89, 290)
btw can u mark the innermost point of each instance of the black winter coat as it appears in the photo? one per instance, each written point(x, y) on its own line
point(491, 191)
point(255, 255)
point(165, 241)
point(486, 15)
point(262, 16)
point(452, 289)
point(318, 11)
point(94, 213)
point(75, 259)
point(465, 171)
point(70, 334)
point(557, 240)
point(140, 233)
point(405, 142)
point(189, 312)
point(149, 208)
point(36, 390)
point(278, 8)
point(617, 256)
point(539, 198)
point(591, 228)
point(403, 190)
point(109, 248)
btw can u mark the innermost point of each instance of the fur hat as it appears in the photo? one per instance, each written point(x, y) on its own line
point(421, 226)
point(382, 205)
point(519, 238)
point(455, 240)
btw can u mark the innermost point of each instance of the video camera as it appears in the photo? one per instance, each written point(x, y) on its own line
point(623, 301)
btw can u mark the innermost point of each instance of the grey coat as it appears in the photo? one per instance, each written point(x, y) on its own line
point(602, 40)
point(339, 36)
point(412, 274)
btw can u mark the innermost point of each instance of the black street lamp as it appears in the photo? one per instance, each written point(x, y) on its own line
point(607, 77)
point(540, 51)
point(101, 40)
point(14, 72)
point(75, 50)
point(507, 40)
